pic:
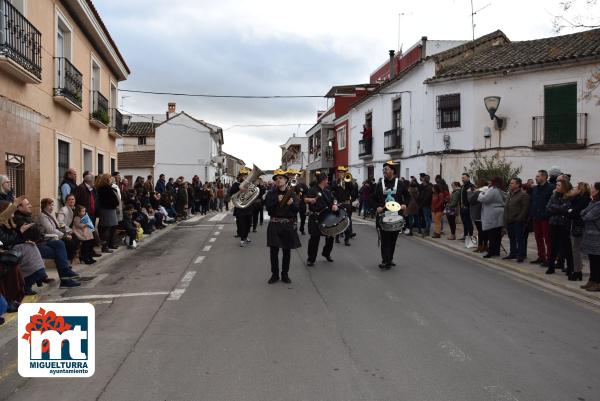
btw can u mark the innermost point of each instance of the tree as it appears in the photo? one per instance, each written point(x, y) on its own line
point(577, 15)
point(487, 167)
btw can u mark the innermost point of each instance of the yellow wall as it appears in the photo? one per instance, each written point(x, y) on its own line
point(59, 122)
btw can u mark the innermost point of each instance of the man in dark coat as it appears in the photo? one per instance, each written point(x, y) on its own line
point(281, 231)
point(243, 216)
point(398, 192)
point(320, 200)
point(516, 213)
point(540, 195)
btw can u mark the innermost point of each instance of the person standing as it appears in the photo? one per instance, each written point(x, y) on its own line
point(590, 244)
point(560, 238)
point(281, 231)
point(258, 206)
point(475, 213)
point(426, 192)
point(580, 199)
point(452, 207)
point(161, 185)
point(412, 209)
point(320, 201)
point(465, 211)
point(108, 202)
point(492, 215)
point(540, 196)
point(243, 216)
point(516, 213)
point(345, 192)
point(301, 191)
point(388, 184)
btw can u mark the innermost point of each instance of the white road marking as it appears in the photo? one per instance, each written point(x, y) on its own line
point(212, 239)
point(453, 351)
point(218, 217)
point(196, 218)
point(199, 259)
point(217, 232)
point(178, 292)
point(207, 248)
point(500, 394)
point(221, 227)
point(109, 296)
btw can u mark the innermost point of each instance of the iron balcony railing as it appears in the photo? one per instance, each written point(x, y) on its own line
point(99, 110)
point(20, 40)
point(364, 147)
point(68, 81)
point(559, 131)
point(116, 121)
point(392, 140)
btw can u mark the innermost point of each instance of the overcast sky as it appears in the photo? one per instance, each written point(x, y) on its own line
point(275, 47)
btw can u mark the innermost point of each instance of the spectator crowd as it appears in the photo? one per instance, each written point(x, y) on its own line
point(89, 218)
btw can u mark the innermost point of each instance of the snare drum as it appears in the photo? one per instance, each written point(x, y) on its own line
point(392, 222)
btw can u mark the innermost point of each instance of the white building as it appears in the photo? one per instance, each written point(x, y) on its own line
point(431, 116)
point(294, 153)
point(186, 146)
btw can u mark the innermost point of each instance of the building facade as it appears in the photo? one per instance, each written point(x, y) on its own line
point(59, 76)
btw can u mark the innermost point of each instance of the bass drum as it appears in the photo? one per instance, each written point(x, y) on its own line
point(334, 223)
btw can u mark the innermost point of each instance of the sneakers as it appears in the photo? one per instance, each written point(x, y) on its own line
point(68, 283)
point(242, 243)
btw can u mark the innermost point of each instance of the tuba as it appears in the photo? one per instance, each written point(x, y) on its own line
point(244, 199)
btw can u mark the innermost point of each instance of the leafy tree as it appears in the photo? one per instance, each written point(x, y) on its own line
point(487, 167)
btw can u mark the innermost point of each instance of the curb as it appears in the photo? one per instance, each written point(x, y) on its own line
point(582, 296)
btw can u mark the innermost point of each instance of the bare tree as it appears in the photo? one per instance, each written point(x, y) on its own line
point(576, 15)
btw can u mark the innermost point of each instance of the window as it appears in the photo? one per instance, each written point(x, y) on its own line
point(397, 113)
point(15, 171)
point(100, 164)
point(63, 158)
point(141, 140)
point(341, 138)
point(113, 165)
point(63, 37)
point(448, 111)
point(88, 160)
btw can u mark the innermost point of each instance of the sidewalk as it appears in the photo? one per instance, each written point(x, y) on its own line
point(532, 273)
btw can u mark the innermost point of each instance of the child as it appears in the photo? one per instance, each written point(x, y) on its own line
point(83, 228)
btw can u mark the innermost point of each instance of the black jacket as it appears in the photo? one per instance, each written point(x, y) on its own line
point(272, 205)
point(401, 196)
point(558, 207)
point(578, 203)
point(325, 199)
point(107, 198)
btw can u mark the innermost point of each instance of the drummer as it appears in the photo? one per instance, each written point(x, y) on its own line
point(320, 201)
point(281, 231)
point(388, 238)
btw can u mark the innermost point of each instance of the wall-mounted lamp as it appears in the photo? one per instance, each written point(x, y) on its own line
point(491, 104)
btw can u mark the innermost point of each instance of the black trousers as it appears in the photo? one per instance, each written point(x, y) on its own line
point(348, 232)
point(495, 239)
point(285, 262)
point(388, 245)
point(243, 223)
point(257, 213)
point(87, 250)
point(302, 218)
point(560, 238)
point(482, 236)
point(594, 268)
point(313, 247)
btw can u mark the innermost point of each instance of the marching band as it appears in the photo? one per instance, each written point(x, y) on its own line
point(329, 212)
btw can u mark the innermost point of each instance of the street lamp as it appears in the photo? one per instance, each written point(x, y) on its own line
point(491, 104)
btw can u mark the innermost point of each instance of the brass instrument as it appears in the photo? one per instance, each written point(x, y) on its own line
point(243, 199)
point(290, 188)
point(348, 177)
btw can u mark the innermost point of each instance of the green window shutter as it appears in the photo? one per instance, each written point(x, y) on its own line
point(560, 114)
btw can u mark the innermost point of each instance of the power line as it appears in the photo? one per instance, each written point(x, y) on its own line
point(222, 96)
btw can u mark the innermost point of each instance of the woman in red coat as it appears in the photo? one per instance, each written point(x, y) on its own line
point(438, 202)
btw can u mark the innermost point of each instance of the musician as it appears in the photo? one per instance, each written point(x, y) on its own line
point(345, 192)
point(281, 231)
point(320, 200)
point(258, 207)
point(388, 238)
point(243, 216)
point(301, 191)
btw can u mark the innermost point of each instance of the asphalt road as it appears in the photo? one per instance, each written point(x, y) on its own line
point(202, 324)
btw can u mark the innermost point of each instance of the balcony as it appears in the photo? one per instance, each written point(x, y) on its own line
point(365, 148)
point(20, 45)
point(329, 153)
point(559, 131)
point(67, 91)
point(392, 141)
point(99, 117)
point(116, 128)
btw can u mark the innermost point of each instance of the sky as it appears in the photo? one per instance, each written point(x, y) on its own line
point(280, 47)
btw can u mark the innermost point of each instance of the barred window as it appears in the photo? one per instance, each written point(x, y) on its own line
point(448, 111)
point(141, 140)
point(15, 171)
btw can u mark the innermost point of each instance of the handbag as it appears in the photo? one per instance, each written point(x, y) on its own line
point(10, 258)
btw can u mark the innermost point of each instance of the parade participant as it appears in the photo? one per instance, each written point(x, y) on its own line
point(243, 216)
point(281, 231)
point(345, 192)
point(320, 200)
point(301, 191)
point(258, 206)
point(388, 238)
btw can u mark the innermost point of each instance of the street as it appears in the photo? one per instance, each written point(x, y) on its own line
point(190, 316)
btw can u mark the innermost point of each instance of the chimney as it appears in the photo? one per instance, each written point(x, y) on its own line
point(392, 54)
point(171, 109)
